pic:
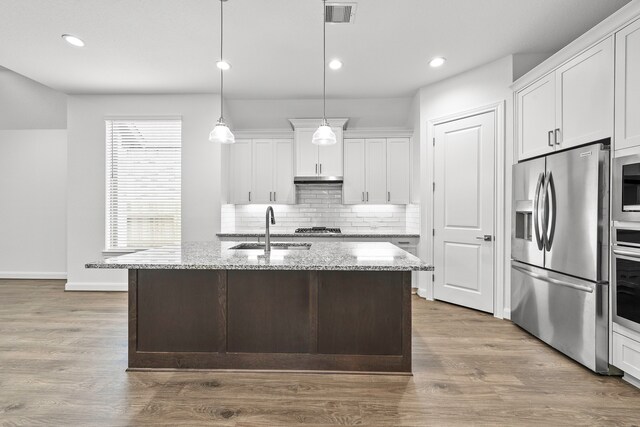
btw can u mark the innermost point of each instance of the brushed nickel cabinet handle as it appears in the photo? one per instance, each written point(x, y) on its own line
point(363, 196)
point(555, 135)
point(549, 138)
point(388, 196)
point(316, 168)
point(249, 195)
point(274, 196)
point(320, 168)
point(270, 196)
point(367, 196)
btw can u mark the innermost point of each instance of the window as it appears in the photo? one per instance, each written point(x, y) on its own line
point(143, 183)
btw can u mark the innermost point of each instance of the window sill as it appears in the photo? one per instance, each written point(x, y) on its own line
point(108, 253)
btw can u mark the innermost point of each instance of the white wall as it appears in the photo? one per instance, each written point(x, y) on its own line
point(27, 104)
point(86, 169)
point(33, 208)
point(480, 87)
point(362, 113)
point(33, 121)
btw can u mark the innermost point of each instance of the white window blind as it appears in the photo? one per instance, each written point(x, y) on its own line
point(143, 183)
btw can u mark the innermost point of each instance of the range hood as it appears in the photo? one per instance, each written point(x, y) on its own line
point(317, 180)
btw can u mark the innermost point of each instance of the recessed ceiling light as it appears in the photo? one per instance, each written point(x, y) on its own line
point(73, 40)
point(437, 61)
point(335, 64)
point(223, 65)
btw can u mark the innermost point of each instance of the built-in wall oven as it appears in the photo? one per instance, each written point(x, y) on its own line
point(625, 265)
point(626, 188)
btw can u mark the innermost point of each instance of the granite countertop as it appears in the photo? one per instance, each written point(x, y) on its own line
point(217, 255)
point(261, 234)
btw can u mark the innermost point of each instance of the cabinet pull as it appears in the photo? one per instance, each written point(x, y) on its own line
point(367, 196)
point(388, 196)
point(363, 196)
point(316, 169)
point(404, 243)
point(274, 196)
point(320, 168)
point(549, 138)
point(249, 195)
point(555, 135)
point(270, 196)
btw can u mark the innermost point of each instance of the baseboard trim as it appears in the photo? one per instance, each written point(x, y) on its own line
point(631, 380)
point(33, 275)
point(95, 287)
point(422, 293)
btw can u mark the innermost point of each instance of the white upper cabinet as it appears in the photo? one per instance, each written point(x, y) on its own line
point(584, 97)
point(283, 189)
point(399, 170)
point(262, 184)
point(314, 160)
point(262, 171)
point(375, 152)
point(377, 171)
point(570, 106)
point(627, 125)
point(353, 187)
point(536, 118)
point(240, 171)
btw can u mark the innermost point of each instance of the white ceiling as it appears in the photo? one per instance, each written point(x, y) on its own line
point(275, 46)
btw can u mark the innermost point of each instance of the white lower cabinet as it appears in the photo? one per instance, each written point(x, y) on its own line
point(626, 354)
point(261, 171)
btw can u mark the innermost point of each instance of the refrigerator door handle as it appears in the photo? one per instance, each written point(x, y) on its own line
point(553, 281)
point(549, 212)
point(536, 212)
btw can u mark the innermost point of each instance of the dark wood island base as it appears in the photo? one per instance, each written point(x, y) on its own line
point(326, 320)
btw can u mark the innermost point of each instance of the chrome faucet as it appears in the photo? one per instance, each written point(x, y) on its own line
point(267, 234)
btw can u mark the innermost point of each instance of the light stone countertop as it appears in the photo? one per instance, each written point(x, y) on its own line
point(328, 235)
point(218, 255)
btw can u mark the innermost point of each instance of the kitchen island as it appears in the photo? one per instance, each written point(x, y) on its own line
point(331, 306)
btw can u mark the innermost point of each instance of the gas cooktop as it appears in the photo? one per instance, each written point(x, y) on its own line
point(318, 230)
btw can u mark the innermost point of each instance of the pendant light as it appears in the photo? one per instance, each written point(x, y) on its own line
point(221, 133)
point(324, 135)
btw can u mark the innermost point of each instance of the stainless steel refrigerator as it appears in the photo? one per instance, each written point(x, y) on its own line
point(559, 251)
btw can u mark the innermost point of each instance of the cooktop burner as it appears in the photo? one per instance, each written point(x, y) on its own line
point(319, 230)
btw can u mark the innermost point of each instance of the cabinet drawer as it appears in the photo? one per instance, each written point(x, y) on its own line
point(626, 354)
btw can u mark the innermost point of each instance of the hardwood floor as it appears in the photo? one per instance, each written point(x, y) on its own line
point(63, 358)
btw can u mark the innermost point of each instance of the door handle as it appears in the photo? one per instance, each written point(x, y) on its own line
point(626, 253)
point(575, 286)
point(486, 237)
point(555, 135)
point(536, 212)
point(549, 138)
point(549, 213)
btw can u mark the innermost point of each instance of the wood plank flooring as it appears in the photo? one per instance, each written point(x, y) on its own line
point(63, 358)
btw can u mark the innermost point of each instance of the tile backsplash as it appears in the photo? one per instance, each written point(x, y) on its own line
point(321, 205)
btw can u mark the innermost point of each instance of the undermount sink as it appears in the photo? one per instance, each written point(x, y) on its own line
point(274, 246)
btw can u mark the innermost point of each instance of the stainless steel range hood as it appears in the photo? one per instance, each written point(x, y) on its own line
point(317, 180)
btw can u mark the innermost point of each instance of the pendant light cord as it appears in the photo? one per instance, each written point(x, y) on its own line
point(324, 61)
point(221, 59)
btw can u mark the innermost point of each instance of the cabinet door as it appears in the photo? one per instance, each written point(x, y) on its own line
point(398, 170)
point(262, 186)
point(284, 191)
point(353, 187)
point(330, 157)
point(240, 173)
point(306, 153)
point(628, 87)
point(584, 97)
point(536, 118)
point(376, 170)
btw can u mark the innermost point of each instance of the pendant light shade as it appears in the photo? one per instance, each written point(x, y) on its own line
point(324, 135)
point(221, 132)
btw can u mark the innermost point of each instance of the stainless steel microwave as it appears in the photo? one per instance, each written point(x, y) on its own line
point(626, 188)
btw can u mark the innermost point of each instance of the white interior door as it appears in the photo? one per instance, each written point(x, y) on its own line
point(464, 211)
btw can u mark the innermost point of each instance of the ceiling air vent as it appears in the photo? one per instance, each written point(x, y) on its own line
point(340, 13)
